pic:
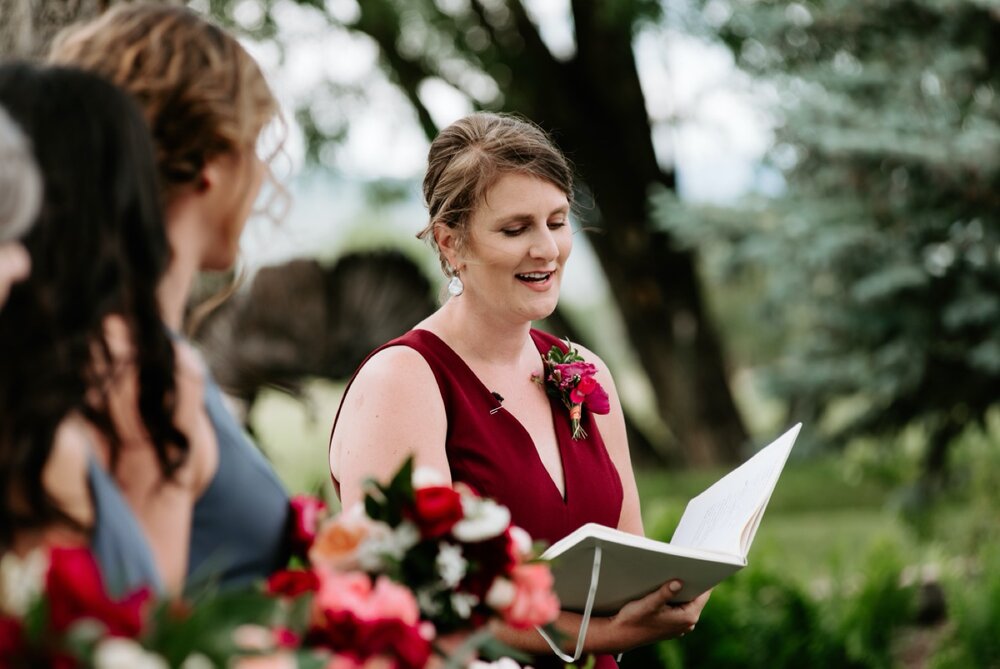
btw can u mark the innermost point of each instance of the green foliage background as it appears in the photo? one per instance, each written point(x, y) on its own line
point(877, 265)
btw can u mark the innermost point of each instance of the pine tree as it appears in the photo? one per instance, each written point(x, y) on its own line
point(881, 258)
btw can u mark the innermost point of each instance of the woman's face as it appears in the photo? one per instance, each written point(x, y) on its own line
point(518, 241)
point(238, 179)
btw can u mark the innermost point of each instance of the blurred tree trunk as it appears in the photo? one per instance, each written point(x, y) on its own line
point(27, 27)
point(593, 104)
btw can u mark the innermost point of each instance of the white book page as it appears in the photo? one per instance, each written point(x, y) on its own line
point(725, 517)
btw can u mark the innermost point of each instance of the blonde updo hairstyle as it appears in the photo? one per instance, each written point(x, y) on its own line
point(468, 157)
point(202, 94)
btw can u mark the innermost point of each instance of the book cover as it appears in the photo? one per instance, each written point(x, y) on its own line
point(710, 543)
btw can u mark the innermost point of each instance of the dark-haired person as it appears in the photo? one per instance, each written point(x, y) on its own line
point(91, 384)
point(459, 391)
point(206, 103)
point(20, 193)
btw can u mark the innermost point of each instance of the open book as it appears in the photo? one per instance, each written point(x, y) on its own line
point(598, 569)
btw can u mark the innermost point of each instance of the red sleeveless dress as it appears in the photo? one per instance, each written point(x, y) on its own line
point(490, 450)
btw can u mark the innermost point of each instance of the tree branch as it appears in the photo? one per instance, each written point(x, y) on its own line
point(380, 21)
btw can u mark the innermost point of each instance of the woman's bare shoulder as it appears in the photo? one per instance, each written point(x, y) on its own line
point(65, 473)
point(396, 370)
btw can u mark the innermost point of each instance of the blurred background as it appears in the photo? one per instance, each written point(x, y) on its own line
point(786, 212)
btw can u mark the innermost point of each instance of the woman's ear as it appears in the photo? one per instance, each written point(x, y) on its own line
point(208, 178)
point(447, 241)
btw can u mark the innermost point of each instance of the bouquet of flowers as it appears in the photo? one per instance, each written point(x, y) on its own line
point(458, 553)
point(570, 379)
point(371, 587)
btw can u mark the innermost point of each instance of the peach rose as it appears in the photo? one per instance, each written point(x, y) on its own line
point(339, 538)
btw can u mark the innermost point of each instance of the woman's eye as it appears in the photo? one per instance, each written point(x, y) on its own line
point(513, 232)
point(554, 225)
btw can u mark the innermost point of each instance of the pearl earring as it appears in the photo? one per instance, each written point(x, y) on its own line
point(455, 285)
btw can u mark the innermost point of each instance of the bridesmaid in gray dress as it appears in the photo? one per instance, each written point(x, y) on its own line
point(206, 103)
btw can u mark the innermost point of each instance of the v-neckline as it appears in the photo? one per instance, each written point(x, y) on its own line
point(556, 426)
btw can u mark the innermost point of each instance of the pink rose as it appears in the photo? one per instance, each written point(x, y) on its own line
point(589, 392)
point(285, 638)
point(390, 600)
point(341, 591)
point(568, 371)
point(586, 385)
point(597, 400)
point(534, 602)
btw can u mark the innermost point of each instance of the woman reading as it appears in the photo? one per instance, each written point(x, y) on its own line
point(463, 392)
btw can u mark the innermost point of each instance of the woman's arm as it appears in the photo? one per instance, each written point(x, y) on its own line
point(392, 410)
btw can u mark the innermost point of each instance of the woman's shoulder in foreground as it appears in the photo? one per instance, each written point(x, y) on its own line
point(65, 475)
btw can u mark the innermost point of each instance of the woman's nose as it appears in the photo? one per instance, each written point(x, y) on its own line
point(544, 245)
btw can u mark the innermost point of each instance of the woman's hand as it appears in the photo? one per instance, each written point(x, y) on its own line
point(654, 618)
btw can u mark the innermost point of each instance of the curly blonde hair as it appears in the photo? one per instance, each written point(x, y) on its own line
point(202, 94)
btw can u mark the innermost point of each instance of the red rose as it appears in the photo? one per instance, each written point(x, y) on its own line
point(487, 560)
point(393, 637)
point(586, 385)
point(292, 582)
point(345, 633)
point(435, 510)
point(12, 643)
point(75, 591)
point(306, 512)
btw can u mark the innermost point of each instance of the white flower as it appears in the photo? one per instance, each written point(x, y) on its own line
point(197, 661)
point(462, 603)
point(450, 564)
point(484, 519)
point(427, 603)
point(501, 593)
point(502, 663)
point(21, 580)
point(521, 539)
point(425, 477)
point(387, 543)
point(118, 653)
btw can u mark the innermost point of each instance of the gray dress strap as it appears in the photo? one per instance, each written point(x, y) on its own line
point(240, 523)
point(118, 542)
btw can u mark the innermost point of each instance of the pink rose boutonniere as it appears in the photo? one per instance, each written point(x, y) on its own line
point(570, 379)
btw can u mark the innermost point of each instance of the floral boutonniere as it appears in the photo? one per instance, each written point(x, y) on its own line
point(570, 379)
